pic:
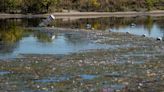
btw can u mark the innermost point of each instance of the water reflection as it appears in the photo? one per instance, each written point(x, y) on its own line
point(9, 37)
point(14, 39)
point(17, 41)
point(151, 26)
point(11, 34)
point(45, 37)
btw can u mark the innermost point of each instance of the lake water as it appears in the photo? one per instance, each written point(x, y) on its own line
point(15, 40)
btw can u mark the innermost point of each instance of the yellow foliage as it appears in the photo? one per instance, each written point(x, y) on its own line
point(94, 3)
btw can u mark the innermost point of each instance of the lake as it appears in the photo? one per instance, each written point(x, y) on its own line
point(15, 39)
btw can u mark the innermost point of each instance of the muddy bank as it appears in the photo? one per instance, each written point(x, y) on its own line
point(85, 14)
point(136, 65)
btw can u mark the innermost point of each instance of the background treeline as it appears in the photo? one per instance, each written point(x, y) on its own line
point(44, 6)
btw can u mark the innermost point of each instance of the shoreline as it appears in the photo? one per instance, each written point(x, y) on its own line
point(84, 14)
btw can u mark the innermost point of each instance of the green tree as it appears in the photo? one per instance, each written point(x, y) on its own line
point(13, 5)
point(149, 4)
point(39, 6)
point(44, 6)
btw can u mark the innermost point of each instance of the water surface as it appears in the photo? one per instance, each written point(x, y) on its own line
point(15, 40)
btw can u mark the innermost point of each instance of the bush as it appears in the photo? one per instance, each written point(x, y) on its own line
point(44, 6)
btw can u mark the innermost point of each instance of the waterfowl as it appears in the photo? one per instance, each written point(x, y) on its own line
point(144, 35)
point(159, 38)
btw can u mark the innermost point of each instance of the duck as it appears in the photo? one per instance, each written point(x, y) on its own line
point(144, 35)
point(159, 38)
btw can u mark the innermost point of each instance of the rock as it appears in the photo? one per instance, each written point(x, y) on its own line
point(73, 81)
point(37, 86)
point(36, 62)
point(52, 87)
point(44, 88)
point(53, 69)
point(80, 61)
point(139, 87)
point(126, 83)
point(140, 84)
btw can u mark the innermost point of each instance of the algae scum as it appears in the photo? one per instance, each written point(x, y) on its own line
point(98, 61)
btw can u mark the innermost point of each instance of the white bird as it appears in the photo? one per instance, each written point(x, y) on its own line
point(53, 37)
point(47, 21)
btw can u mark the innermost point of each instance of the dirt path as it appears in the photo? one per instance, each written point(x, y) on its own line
point(86, 14)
